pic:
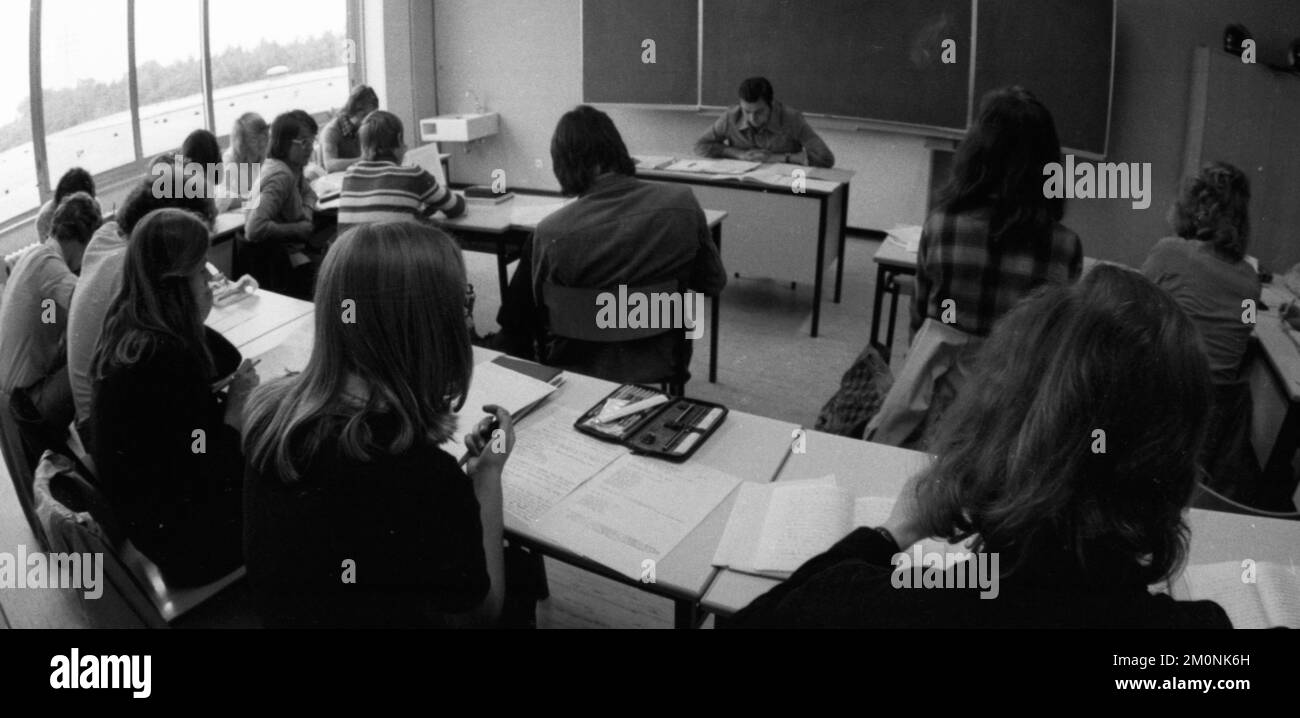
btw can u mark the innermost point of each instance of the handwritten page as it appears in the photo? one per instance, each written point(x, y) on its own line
point(653, 162)
point(550, 460)
point(635, 509)
point(1272, 600)
point(802, 521)
point(494, 384)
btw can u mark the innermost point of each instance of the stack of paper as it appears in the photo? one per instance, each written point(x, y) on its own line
point(906, 236)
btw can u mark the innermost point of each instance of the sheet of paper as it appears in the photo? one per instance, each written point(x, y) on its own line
point(494, 384)
point(653, 161)
point(744, 528)
point(906, 236)
point(709, 166)
point(635, 509)
point(530, 215)
point(550, 460)
point(871, 511)
point(802, 521)
point(1272, 600)
point(283, 353)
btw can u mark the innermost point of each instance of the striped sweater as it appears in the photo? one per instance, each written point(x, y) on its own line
point(387, 192)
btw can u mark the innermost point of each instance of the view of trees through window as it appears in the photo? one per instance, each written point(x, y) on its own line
point(265, 58)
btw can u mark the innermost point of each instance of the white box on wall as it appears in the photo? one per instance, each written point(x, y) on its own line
point(459, 128)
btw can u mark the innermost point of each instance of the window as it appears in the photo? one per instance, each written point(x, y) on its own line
point(84, 84)
point(169, 76)
point(18, 190)
point(270, 58)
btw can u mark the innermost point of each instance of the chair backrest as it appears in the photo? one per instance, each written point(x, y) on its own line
point(1207, 498)
point(71, 510)
point(20, 463)
point(586, 314)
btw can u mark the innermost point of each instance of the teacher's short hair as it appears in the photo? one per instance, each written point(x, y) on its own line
point(754, 89)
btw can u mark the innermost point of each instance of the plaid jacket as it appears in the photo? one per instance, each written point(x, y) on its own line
point(985, 279)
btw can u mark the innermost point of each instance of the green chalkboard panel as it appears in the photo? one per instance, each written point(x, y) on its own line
point(877, 59)
point(615, 52)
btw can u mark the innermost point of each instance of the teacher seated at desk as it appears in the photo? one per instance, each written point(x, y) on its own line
point(760, 129)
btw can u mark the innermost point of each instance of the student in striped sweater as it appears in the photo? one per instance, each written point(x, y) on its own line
point(379, 188)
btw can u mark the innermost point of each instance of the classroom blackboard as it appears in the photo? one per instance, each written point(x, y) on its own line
point(878, 59)
point(616, 54)
point(1058, 49)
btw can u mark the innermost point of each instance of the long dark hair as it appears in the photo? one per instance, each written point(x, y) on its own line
point(1017, 453)
point(156, 302)
point(585, 143)
point(73, 181)
point(405, 342)
point(1214, 207)
point(999, 166)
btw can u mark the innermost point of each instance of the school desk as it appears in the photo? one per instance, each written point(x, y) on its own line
point(867, 469)
point(260, 321)
point(746, 446)
point(777, 232)
point(502, 228)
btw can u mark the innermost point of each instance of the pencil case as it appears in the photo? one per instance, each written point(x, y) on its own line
point(674, 430)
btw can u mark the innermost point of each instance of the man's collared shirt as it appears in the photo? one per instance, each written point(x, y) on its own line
point(785, 132)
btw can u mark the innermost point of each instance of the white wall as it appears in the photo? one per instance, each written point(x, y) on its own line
point(523, 59)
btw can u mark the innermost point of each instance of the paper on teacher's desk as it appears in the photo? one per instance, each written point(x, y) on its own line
point(1266, 595)
point(712, 166)
point(494, 384)
point(528, 215)
point(634, 510)
point(550, 460)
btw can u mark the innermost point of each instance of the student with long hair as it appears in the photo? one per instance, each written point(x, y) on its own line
point(102, 272)
point(73, 181)
point(284, 247)
point(1204, 268)
point(353, 514)
point(994, 235)
point(341, 140)
point(166, 439)
point(1080, 532)
point(250, 137)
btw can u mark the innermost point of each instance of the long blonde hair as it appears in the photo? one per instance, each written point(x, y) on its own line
point(390, 314)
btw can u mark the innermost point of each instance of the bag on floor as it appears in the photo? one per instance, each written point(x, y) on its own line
point(862, 390)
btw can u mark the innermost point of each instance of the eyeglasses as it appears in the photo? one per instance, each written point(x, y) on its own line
point(305, 141)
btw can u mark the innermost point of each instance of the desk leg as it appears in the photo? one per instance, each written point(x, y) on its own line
point(821, 270)
point(501, 266)
point(686, 614)
point(893, 316)
point(875, 305)
point(844, 226)
point(1278, 481)
point(715, 303)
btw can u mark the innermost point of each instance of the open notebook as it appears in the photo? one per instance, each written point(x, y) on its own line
point(775, 528)
point(1255, 594)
